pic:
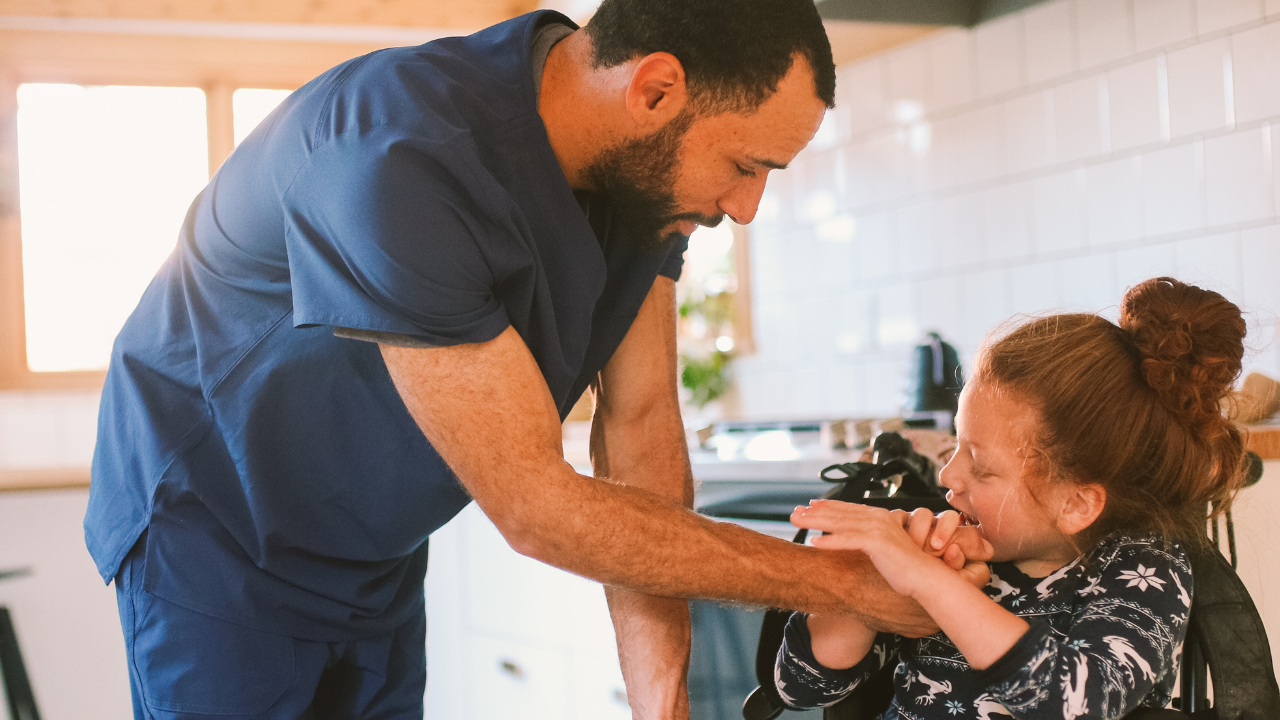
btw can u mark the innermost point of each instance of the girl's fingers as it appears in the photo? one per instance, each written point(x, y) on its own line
point(944, 529)
point(919, 527)
point(832, 515)
point(902, 517)
point(842, 541)
point(953, 557)
point(976, 573)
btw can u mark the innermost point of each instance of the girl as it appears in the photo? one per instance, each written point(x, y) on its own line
point(1087, 455)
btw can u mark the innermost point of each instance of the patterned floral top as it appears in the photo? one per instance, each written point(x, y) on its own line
point(1106, 636)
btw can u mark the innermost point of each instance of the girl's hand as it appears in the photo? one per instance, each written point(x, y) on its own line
point(899, 544)
point(933, 534)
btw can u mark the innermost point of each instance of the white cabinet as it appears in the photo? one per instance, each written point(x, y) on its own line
point(598, 691)
point(515, 680)
point(508, 636)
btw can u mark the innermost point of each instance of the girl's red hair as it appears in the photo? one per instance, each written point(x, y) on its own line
point(1134, 407)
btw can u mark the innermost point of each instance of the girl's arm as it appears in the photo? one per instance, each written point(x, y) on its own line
point(981, 629)
point(1136, 601)
point(803, 680)
point(839, 641)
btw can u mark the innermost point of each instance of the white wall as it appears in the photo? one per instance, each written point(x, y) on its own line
point(65, 618)
point(41, 430)
point(1047, 159)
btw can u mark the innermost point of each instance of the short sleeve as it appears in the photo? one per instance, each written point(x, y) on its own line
point(675, 259)
point(389, 236)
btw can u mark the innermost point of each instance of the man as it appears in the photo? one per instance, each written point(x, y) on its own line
point(383, 306)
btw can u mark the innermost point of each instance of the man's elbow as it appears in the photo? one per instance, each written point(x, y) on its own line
point(522, 533)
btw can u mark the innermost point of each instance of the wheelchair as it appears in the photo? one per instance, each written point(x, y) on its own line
point(1225, 639)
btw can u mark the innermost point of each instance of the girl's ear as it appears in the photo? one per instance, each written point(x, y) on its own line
point(1082, 505)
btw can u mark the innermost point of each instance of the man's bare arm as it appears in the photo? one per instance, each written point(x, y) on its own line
point(637, 439)
point(485, 407)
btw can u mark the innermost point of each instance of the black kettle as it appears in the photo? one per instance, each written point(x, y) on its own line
point(936, 377)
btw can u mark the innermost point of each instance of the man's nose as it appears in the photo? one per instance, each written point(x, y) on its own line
point(743, 199)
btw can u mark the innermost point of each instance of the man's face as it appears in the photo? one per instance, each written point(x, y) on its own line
point(639, 177)
point(697, 169)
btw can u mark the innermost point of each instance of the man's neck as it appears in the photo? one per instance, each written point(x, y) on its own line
point(577, 106)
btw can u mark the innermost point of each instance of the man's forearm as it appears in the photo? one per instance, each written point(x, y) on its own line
point(653, 633)
point(653, 647)
point(486, 409)
point(633, 538)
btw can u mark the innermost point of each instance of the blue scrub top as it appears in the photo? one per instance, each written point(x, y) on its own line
point(410, 191)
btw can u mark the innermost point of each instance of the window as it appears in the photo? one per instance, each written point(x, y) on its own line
point(104, 142)
point(714, 306)
point(249, 106)
point(105, 177)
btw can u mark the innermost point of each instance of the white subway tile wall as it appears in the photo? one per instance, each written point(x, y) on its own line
point(1160, 23)
point(1078, 113)
point(1198, 88)
point(1255, 55)
point(1213, 15)
point(999, 56)
point(1114, 209)
point(1237, 170)
point(1047, 160)
point(1173, 189)
point(1105, 29)
point(1133, 105)
point(1051, 42)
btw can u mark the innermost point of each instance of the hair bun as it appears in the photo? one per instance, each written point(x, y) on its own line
point(1192, 344)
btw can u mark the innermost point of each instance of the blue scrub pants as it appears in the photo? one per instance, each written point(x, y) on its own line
point(187, 665)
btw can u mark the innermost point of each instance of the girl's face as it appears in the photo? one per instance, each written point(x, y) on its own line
point(988, 480)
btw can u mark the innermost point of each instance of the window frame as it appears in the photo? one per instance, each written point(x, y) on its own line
point(217, 65)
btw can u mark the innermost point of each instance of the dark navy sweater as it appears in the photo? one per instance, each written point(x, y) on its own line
point(1105, 638)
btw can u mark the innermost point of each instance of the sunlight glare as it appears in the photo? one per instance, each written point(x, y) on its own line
point(105, 177)
point(249, 106)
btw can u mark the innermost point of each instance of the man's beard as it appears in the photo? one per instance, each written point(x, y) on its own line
point(639, 178)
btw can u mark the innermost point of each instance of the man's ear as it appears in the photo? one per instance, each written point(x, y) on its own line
point(1081, 506)
point(657, 91)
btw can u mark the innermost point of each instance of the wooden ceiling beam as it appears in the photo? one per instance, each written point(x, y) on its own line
point(472, 14)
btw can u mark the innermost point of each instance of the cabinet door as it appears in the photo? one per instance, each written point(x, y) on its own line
point(513, 680)
point(598, 691)
point(509, 595)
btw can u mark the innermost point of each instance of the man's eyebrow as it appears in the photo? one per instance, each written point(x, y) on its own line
point(772, 165)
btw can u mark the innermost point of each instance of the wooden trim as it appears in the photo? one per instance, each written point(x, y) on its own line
point(43, 479)
point(106, 58)
point(391, 13)
point(1263, 440)
point(221, 120)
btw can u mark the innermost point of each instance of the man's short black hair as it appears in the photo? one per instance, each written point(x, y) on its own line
point(734, 52)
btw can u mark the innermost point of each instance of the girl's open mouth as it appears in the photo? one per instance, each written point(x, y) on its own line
point(966, 519)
